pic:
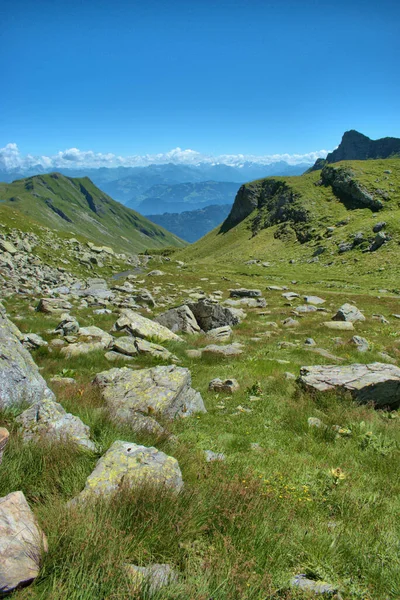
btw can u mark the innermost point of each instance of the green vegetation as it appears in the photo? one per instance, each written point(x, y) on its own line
point(76, 207)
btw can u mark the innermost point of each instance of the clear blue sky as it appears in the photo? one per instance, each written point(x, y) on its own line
point(219, 76)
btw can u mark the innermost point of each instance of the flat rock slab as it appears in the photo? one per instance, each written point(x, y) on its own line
point(48, 419)
point(133, 323)
point(339, 325)
point(163, 391)
point(4, 437)
point(131, 346)
point(21, 543)
point(377, 383)
point(20, 380)
point(314, 300)
point(229, 350)
point(127, 464)
point(249, 302)
point(220, 334)
point(245, 293)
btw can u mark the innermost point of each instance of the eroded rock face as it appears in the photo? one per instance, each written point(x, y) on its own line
point(210, 315)
point(163, 391)
point(136, 325)
point(20, 380)
point(179, 319)
point(345, 186)
point(21, 543)
point(126, 464)
point(49, 420)
point(377, 383)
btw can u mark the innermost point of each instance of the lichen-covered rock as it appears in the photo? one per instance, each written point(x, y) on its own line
point(49, 420)
point(348, 313)
point(131, 465)
point(68, 326)
point(376, 383)
point(4, 436)
point(20, 380)
point(179, 319)
point(21, 543)
point(152, 578)
point(138, 326)
point(131, 346)
point(163, 391)
point(210, 315)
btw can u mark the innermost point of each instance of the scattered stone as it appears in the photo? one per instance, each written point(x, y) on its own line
point(229, 350)
point(152, 578)
point(348, 313)
point(179, 319)
point(314, 300)
point(163, 391)
point(289, 376)
point(214, 456)
point(326, 354)
point(249, 302)
point(131, 346)
point(315, 422)
point(63, 380)
point(377, 383)
point(305, 308)
point(193, 353)
point(301, 582)
point(31, 341)
point(48, 419)
point(245, 293)
point(226, 385)
point(210, 315)
point(4, 437)
point(7, 247)
point(220, 334)
point(155, 273)
point(310, 342)
point(68, 326)
point(127, 464)
point(53, 305)
point(386, 357)
point(379, 240)
point(379, 226)
point(360, 342)
point(21, 543)
point(290, 295)
point(290, 323)
point(138, 326)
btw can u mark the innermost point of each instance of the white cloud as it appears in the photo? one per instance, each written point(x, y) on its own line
point(11, 158)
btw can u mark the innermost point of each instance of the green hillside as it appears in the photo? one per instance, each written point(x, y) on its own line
point(322, 221)
point(78, 207)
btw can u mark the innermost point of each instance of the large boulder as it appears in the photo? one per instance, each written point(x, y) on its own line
point(133, 323)
point(149, 393)
point(179, 319)
point(130, 465)
point(53, 305)
point(348, 313)
point(20, 380)
point(376, 383)
point(210, 315)
point(21, 543)
point(49, 420)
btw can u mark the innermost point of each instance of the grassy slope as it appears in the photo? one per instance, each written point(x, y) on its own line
point(237, 245)
point(92, 213)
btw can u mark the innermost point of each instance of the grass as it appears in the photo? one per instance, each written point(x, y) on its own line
point(278, 505)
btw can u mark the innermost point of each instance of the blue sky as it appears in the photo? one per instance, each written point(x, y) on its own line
point(255, 77)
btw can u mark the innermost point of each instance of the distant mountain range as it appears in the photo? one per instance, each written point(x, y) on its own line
point(356, 146)
point(193, 225)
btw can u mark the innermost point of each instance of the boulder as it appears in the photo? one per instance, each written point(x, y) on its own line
point(220, 334)
point(348, 313)
point(131, 465)
point(20, 380)
point(245, 293)
point(163, 391)
point(250, 302)
point(377, 383)
point(21, 543)
point(53, 305)
point(226, 385)
point(339, 325)
point(360, 343)
point(138, 326)
point(314, 300)
point(7, 247)
point(49, 420)
point(228, 351)
point(179, 319)
point(4, 436)
point(210, 315)
point(68, 326)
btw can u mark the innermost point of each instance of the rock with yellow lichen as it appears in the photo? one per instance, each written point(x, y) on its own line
point(135, 324)
point(163, 391)
point(130, 465)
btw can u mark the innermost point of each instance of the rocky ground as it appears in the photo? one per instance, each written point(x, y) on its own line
point(169, 432)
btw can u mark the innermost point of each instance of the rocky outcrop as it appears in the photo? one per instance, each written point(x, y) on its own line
point(376, 383)
point(21, 543)
point(246, 201)
point(20, 380)
point(348, 189)
point(164, 392)
point(356, 146)
point(49, 420)
point(130, 465)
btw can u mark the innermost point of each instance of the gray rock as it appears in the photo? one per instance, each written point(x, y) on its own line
point(157, 392)
point(290, 323)
point(379, 226)
point(214, 456)
point(315, 422)
point(375, 383)
point(339, 325)
point(360, 342)
point(249, 302)
point(310, 342)
point(20, 380)
point(326, 354)
point(245, 293)
point(152, 578)
point(301, 582)
point(4, 437)
point(210, 315)
point(228, 351)
point(155, 273)
point(348, 313)
point(7, 247)
point(68, 326)
point(220, 334)
point(179, 319)
point(33, 341)
point(21, 543)
point(379, 240)
point(49, 420)
point(138, 326)
point(53, 305)
point(227, 385)
point(132, 465)
point(314, 300)
point(305, 308)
